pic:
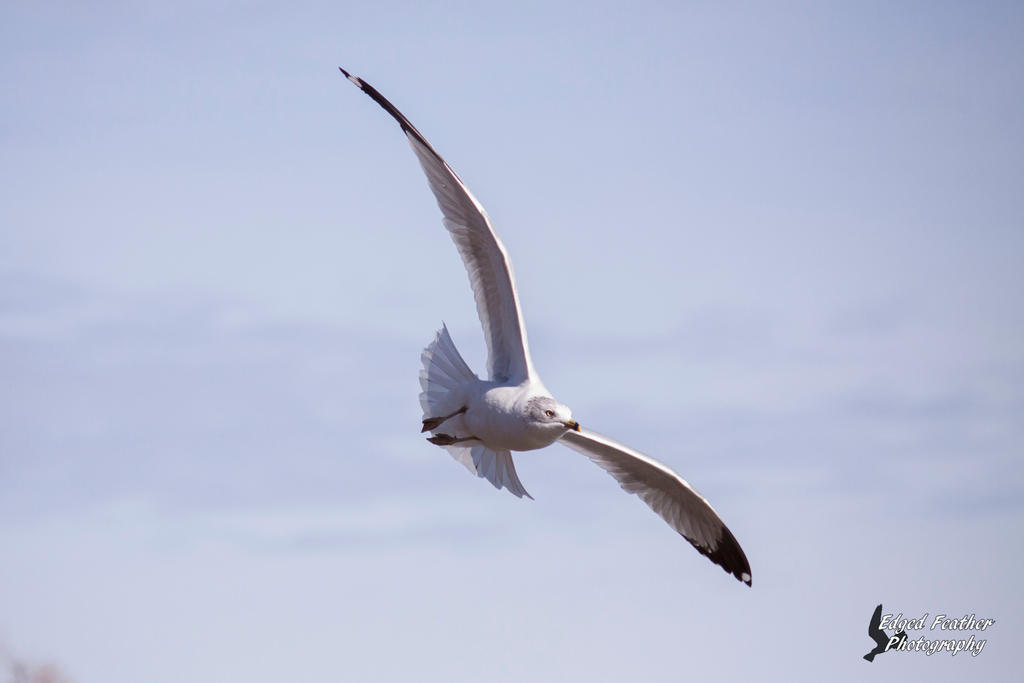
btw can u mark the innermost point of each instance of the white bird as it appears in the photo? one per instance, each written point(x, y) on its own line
point(481, 421)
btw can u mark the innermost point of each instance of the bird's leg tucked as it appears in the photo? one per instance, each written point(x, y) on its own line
point(432, 423)
point(448, 439)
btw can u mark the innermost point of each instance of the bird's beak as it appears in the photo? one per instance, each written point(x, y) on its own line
point(573, 425)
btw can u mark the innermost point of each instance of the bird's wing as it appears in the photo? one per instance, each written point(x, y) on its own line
point(874, 630)
point(490, 271)
point(669, 495)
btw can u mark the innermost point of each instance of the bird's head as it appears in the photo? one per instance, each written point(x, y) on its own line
point(550, 414)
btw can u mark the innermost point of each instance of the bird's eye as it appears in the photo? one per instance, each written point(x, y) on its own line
point(549, 413)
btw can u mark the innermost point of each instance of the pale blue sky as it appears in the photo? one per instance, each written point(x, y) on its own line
point(778, 248)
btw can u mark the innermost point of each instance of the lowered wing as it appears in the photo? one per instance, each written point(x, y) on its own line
point(669, 495)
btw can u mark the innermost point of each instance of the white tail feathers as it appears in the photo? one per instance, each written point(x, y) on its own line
point(442, 378)
point(443, 373)
point(496, 467)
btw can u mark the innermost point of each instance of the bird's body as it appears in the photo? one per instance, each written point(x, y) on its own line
point(480, 422)
point(496, 415)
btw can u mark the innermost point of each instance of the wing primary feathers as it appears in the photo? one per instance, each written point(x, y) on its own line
point(405, 123)
point(669, 495)
point(485, 258)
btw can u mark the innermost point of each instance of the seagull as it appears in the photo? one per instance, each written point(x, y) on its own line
point(480, 422)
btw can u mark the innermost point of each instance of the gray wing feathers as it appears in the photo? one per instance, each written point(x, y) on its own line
point(490, 272)
point(488, 266)
point(667, 494)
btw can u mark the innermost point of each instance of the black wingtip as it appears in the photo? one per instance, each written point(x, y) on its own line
point(729, 556)
point(406, 125)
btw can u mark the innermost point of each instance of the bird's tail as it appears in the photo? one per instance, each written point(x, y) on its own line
point(443, 373)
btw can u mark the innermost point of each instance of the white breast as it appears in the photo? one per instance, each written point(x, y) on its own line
point(497, 416)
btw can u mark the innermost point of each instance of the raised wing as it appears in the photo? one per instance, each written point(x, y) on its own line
point(669, 495)
point(490, 271)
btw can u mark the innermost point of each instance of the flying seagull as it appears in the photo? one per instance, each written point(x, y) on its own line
point(480, 422)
